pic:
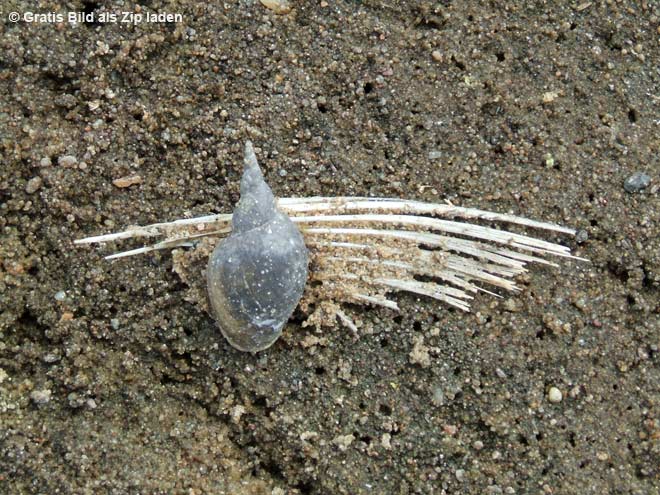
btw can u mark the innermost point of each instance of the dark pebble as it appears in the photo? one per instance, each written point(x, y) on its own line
point(636, 182)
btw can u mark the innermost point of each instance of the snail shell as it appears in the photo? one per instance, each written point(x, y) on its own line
point(256, 276)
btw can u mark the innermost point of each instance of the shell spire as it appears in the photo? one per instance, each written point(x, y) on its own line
point(257, 204)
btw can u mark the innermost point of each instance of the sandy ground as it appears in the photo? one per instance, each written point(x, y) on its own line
point(112, 382)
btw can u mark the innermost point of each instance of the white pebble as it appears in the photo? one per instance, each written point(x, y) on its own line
point(40, 396)
point(51, 358)
point(554, 395)
point(277, 6)
point(33, 185)
point(67, 161)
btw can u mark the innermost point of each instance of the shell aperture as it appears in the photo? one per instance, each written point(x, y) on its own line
point(257, 275)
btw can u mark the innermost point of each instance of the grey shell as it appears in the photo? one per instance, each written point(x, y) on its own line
point(256, 276)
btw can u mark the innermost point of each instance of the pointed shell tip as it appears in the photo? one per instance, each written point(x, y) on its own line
point(250, 158)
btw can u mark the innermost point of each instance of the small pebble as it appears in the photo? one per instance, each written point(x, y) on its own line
point(438, 397)
point(282, 172)
point(460, 474)
point(581, 303)
point(114, 323)
point(602, 456)
point(575, 392)
point(127, 181)
point(554, 395)
point(549, 97)
point(420, 353)
point(450, 430)
point(549, 160)
point(65, 101)
point(33, 185)
point(75, 401)
point(277, 6)
point(51, 358)
point(581, 236)
point(67, 161)
point(437, 55)
point(385, 441)
point(343, 441)
point(434, 155)
point(45, 162)
point(636, 182)
point(60, 295)
point(41, 397)
point(512, 305)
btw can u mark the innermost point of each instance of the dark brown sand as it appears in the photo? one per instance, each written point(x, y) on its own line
point(112, 382)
